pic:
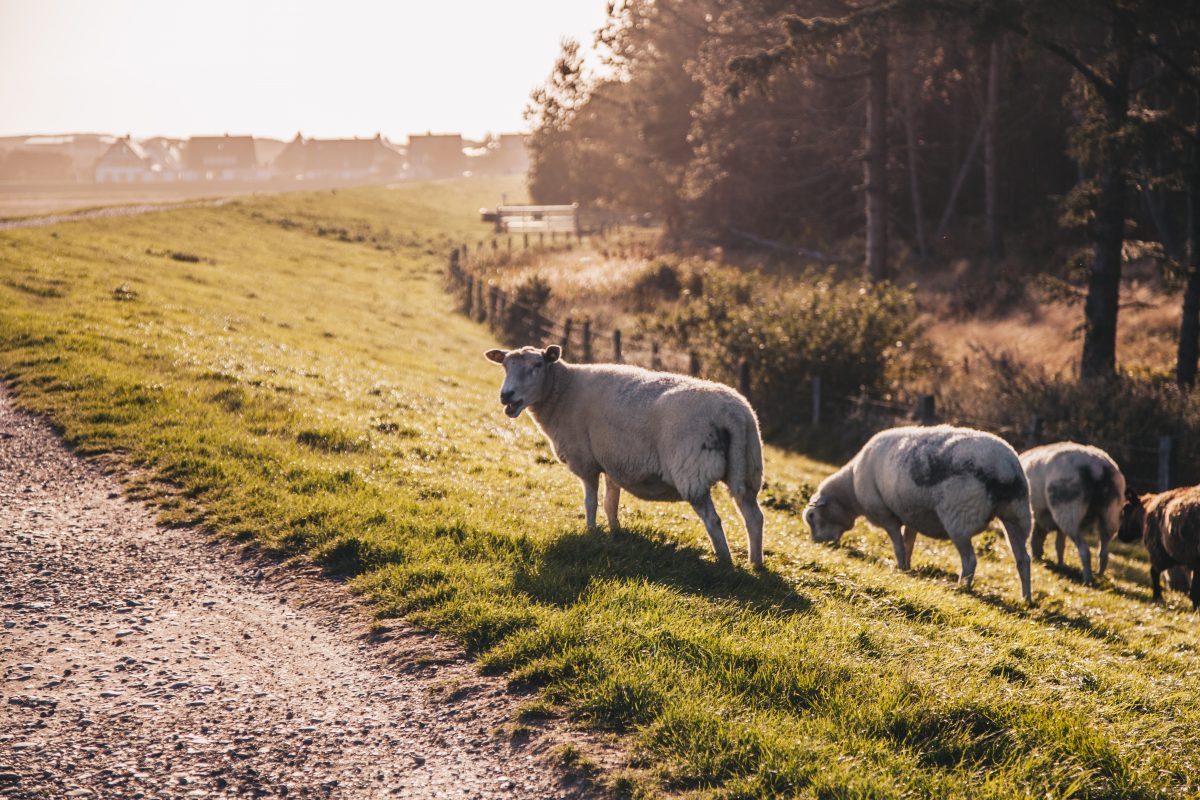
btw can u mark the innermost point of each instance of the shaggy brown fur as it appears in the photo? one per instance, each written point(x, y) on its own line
point(1169, 525)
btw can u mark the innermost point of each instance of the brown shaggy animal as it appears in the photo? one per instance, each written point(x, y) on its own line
point(1169, 525)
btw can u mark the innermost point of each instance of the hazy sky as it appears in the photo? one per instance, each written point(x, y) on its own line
point(345, 68)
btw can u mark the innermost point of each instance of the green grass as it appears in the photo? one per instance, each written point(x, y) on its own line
point(303, 384)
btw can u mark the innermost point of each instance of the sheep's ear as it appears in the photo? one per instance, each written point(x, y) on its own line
point(495, 355)
point(552, 353)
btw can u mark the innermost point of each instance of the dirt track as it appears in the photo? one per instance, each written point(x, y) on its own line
point(145, 662)
point(94, 213)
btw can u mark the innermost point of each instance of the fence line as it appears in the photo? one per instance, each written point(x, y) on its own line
point(493, 305)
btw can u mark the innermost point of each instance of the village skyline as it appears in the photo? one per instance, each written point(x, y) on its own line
point(271, 69)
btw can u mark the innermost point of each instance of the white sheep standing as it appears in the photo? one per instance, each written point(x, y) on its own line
point(1074, 488)
point(658, 435)
point(941, 481)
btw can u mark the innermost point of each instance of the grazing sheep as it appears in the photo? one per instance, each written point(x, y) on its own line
point(1169, 525)
point(1074, 488)
point(941, 481)
point(656, 435)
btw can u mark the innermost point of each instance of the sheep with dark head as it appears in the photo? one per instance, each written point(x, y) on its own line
point(1074, 488)
point(1168, 524)
point(657, 435)
point(944, 482)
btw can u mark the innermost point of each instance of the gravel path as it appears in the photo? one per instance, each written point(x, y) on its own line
point(140, 661)
point(93, 213)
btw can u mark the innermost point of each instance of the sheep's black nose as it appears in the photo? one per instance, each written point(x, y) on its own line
point(506, 397)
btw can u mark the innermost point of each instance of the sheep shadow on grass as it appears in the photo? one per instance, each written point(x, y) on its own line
point(564, 570)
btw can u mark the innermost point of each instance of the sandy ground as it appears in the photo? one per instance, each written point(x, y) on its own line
point(140, 661)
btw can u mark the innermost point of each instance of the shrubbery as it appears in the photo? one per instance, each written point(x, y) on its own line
point(857, 337)
point(1124, 415)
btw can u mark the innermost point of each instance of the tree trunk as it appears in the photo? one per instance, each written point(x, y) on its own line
point(914, 179)
point(1189, 326)
point(995, 244)
point(875, 167)
point(1107, 235)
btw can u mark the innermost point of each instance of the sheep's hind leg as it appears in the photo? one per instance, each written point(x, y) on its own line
point(909, 535)
point(591, 486)
point(753, 517)
point(612, 501)
point(966, 552)
point(1037, 542)
point(1017, 535)
point(1085, 556)
point(712, 523)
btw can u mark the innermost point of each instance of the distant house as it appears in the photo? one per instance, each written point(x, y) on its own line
point(345, 159)
point(222, 158)
point(506, 154)
point(436, 155)
point(127, 161)
point(512, 153)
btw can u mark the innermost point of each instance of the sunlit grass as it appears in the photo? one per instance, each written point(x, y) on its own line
point(304, 384)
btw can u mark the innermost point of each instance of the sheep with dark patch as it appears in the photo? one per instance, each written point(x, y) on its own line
point(657, 435)
point(944, 482)
point(1168, 524)
point(1074, 489)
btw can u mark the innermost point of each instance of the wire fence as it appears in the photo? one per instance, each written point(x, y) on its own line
point(1146, 466)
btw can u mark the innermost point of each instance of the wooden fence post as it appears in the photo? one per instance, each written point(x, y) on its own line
point(587, 341)
point(525, 236)
point(470, 295)
point(744, 378)
point(501, 305)
point(491, 312)
point(566, 340)
point(541, 238)
point(925, 409)
point(816, 401)
point(616, 346)
point(655, 361)
point(453, 268)
point(466, 255)
point(1164, 464)
point(693, 363)
point(480, 308)
point(510, 243)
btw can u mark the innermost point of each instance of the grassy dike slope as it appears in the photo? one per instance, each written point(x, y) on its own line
point(287, 371)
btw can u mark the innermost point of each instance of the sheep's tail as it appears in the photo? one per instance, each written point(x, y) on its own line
point(744, 465)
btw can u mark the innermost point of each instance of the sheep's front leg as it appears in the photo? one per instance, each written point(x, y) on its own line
point(612, 501)
point(591, 485)
point(712, 523)
point(1060, 547)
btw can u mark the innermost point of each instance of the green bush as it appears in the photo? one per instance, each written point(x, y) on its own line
point(1125, 415)
point(857, 337)
point(515, 326)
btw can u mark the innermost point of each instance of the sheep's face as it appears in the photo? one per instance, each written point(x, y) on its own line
point(525, 371)
point(1133, 519)
point(826, 519)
